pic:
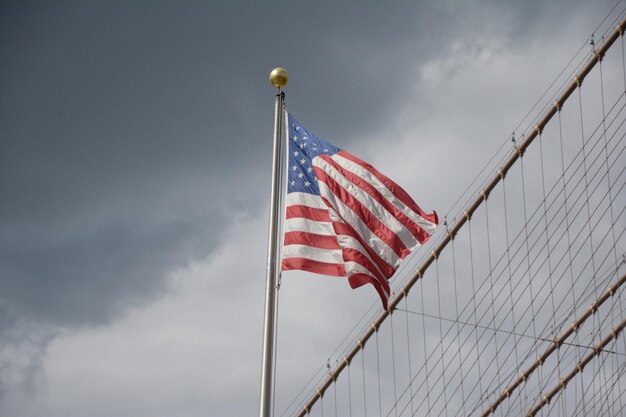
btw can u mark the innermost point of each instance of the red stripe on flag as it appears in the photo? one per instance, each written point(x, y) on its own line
point(303, 264)
point(353, 255)
point(311, 213)
point(311, 239)
point(366, 216)
point(364, 279)
point(360, 278)
point(393, 187)
point(383, 297)
point(342, 228)
point(420, 234)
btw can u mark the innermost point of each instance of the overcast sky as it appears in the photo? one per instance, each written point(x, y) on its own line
point(135, 150)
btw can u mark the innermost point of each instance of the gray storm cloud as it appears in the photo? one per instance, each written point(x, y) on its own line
point(133, 135)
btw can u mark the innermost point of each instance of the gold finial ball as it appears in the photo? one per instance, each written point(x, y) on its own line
point(279, 77)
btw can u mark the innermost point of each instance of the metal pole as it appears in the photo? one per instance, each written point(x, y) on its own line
point(267, 377)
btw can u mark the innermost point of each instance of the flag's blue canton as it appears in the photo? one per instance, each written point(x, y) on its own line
point(303, 147)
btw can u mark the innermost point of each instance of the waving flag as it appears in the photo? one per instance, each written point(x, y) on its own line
point(344, 218)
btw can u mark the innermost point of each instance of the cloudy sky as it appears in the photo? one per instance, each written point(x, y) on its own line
point(135, 148)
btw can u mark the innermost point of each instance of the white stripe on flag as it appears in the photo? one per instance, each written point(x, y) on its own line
point(348, 215)
point(367, 176)
point(299, 224)
point(348, 242)
point(305, 199)
point(332, 256)
point(355, 268)
point(380, 212)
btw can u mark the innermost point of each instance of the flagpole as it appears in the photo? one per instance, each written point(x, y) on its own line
point(278, 78)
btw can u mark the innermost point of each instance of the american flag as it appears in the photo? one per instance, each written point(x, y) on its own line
point(344, 218)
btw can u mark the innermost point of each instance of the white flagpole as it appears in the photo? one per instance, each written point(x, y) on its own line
point(278, 78)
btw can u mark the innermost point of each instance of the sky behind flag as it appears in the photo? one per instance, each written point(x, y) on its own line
point(135, 172)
